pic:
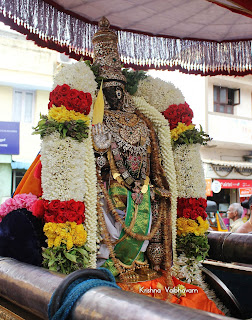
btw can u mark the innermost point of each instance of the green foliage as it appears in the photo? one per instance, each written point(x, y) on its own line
point(60, 259)
point(76, 129)
point(95, 68)
point(193, 246)
point(133, 78)
point(192, 137)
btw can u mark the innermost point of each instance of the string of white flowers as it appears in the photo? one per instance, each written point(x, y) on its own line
point(68, 166)
point(78, 76)
point(162, 129)
point(90, 200)
point(158, 93)
point(62, 176)
point(189, 171)
point(189, 270)
point(191, 184)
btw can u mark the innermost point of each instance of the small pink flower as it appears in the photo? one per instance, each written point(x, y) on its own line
point(19, 201)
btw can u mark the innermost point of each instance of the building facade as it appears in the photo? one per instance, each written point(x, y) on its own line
point(228, 157)
point(26, 75)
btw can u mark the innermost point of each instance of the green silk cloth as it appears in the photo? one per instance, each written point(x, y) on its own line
point(128, 250)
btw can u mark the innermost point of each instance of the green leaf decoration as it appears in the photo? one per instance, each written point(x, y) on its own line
point(193, 246)
point(65, 261)
point(82, 251)
point(70, 257)
point(192, 136)
point(85, 260)
point(87, 249)
point(53, 268)
point(51, 262)
point(132, 79)
point(76, 129)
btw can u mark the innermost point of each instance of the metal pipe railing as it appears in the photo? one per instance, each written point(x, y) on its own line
point(230, 247)
point(31, 288)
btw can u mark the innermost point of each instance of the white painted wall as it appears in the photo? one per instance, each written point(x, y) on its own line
point(25, 66)
point(236, 128)
point(193, 89)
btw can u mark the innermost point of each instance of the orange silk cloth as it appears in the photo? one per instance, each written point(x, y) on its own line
point(29, 183)
point(195, 297)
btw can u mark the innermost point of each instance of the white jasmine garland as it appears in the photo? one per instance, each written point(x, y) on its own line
point(68, 172)
point(90, 200)
point(158, 93)
point(68, 166)
point(161, 126)
point(78, 76)
point(62, 176)
point(189, 271)
point(189, 171)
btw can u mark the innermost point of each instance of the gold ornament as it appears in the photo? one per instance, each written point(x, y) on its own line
point(106, 55)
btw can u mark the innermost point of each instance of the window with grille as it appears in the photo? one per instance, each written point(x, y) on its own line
point(225, 99)
point(17, 176)
point(23, 105)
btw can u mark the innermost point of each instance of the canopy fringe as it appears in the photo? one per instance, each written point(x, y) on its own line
point(49, 27)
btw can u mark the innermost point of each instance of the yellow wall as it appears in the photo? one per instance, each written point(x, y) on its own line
point(5, 103)
point(23, 66)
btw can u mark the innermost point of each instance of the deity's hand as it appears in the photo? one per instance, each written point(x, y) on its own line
point(101, 137)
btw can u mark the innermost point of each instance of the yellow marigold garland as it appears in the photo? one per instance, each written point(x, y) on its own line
point(61, 114)
point(185, 226)
point(69, 233)
point(181, 127)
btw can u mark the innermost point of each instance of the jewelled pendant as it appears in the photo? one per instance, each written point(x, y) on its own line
point(101, 161)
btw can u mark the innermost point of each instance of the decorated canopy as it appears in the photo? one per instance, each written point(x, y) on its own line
point(205, 37)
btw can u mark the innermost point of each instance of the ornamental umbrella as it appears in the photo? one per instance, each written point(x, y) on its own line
point(207, 37)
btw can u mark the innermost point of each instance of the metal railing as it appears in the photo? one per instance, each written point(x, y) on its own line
point(31, 288)
point(230, 247)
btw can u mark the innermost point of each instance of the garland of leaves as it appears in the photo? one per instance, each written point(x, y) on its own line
point(60, 259)
point(192, 136)
point(132, 79)
point(193, 246)
point(95, 68)
point(76, 129)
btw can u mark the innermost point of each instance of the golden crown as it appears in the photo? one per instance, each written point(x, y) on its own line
point(106, 54)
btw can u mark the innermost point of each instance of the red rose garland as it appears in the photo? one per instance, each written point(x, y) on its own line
point(72, 99)
point(191, 215)
point(178, 113)
point(192, 208)
point(59, 211)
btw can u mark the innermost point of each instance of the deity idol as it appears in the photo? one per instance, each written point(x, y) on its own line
point(134, 204)
point(120, 175)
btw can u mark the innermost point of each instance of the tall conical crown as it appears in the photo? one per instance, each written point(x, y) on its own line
point(106, 54)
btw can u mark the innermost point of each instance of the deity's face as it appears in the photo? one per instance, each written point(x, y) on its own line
point(114, 96)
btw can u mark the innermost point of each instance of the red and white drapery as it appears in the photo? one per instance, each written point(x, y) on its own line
point(207, 37)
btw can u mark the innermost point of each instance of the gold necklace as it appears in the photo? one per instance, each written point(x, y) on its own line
point(126, 119)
